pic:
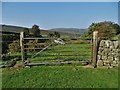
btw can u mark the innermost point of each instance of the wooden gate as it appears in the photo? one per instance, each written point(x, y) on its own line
point(49, 52)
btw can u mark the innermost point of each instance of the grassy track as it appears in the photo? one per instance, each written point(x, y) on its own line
point(60, 77)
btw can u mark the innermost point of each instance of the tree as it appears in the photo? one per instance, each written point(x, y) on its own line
point(15, 46)
point(35, 30)
point(107, 30)
point(26, 30)
point(56, 34)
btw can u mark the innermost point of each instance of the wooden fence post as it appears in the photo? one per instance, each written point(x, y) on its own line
point(95, 46)
point(22, 46)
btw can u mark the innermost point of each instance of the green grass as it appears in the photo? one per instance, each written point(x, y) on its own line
point(60, 77)
point(66, 76)
point(82, 50)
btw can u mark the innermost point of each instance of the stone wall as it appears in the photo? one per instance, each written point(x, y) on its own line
point(108, 53)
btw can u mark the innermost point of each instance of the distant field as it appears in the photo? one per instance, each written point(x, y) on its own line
point(60, 77)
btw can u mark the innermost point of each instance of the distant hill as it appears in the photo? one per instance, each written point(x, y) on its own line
point(65, 32)
point(17, 29)
point(69, 30)
point(12, 29)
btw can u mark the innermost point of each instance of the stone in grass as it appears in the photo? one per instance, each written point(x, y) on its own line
point(84, 63)
point(74, 69)
point(20, 65)
point(99, 63)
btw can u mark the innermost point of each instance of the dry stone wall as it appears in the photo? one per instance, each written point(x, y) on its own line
point(108, 53)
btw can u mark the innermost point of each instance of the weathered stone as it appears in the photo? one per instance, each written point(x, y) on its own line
point(111, 44)
point(116, 51)
point(106, 63)
point(103, 53)
point(100, 49)
point(99, 63)
point(117, 55)
point(99, 53)
point(104, 57)
point(114, 63)
point(113, 54)
point(102, 43)
point(107, 50)
point(110, 67)
point(112, 47)
point(99, 57)
point(117, 58)
point(108, 53)
point(107, 43)
point(117, 62)
point(110, 58)
point(113, 51)
point(116, 44)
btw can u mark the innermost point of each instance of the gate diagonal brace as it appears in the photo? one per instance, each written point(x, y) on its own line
point(58, 41)
point(41, 51)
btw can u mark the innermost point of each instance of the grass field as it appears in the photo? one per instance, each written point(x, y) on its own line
point(67, 52)
point(66, 76)
point(60, 77)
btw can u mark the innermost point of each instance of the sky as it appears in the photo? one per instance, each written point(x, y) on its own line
point(58, 14)
point(60, 0)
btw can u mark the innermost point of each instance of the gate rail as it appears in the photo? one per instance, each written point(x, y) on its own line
point(93, 45)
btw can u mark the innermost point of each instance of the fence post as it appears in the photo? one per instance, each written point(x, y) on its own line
point(22, 46)
point(95, 46)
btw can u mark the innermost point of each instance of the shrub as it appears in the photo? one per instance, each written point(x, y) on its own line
point(106, 30)
point(15, 46)
point(6, 40)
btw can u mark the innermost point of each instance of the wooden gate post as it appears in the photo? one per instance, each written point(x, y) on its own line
point(95, 46)
point(22, 46)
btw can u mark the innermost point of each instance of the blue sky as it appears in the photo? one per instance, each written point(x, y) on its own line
point(57, 15)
